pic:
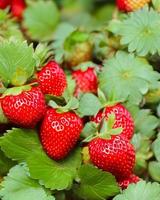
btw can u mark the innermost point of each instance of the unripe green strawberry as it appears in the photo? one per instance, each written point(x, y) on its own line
point(115, 155)
point(122, 119)
point(26, 108)
point(60, 132)
point(131, 5)
point(52, 79)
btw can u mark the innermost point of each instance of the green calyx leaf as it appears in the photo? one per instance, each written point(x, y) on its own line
point(128, 77)
point(41, 19)
point(16, 62)
point(72, 104)
point(84, 66)
point(16, 90)
point(95, 184)
point(18, 185)
point(141, 190)
point(145, 37)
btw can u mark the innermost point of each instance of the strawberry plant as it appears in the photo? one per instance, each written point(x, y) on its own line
point(79, 100)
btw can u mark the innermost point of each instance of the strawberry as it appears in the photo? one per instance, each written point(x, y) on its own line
point(123, 119)
point(4, 3)
point(17, 8)
point(86, 81)
point(25, 108)
point(52, 79)
point(115, 155)
point(60, 132)
point(131, 5)
point(131, 179)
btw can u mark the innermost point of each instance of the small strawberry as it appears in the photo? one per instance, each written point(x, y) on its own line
point(131, 179)
point(17, 8)
point(86, 81)
point(131, 5)
point(24, 108)
point(52, 79)
point(60, 132)
point(123, 119)
point(4, 3)
point(115, 155)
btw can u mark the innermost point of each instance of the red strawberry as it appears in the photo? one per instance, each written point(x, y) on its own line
point(86, 81)
point(26, 108)
point(52, 79)
point(131, 179)
point(115, 155)
point(60, 132)
point(123, 119)
point(4, 3)
point(131, 5)
point(17, 8)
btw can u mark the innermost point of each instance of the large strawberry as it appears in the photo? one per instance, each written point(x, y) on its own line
point(131, 5)
point(86, 81)
point(60, 132)
point(129, 180)
point(17, 8)
point(4, 3)
point(24, 106)
point(123, 118)
point(52, 79)
point(115, 155)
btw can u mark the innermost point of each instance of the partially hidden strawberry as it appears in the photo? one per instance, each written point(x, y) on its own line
point(52, 79)
point(86, 81)
point(17, 8)
point(25, 108)
point(122, 119)
point(60, 132)
point(131, 179)
point(131, 5)
point(115, 155)
point(4, 3)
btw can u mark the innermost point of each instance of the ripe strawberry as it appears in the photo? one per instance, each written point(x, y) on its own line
point(131, 179)
point(17, 8)
point(52, 79)
point(4, 3)
point(26, 108)
point(86, 81)
point(131, 5)
point(60, 132)
point(115, 155)
point(123, 119)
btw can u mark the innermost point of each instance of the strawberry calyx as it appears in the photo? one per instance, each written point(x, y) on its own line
point(105, 129)
point(16, 90)
point(85, 65)
point(72, 104)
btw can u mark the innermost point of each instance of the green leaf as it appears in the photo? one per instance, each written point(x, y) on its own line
point(156, 4)
point(144, 26)
point(89, 105)
point(5, 164)
point(127, 77)
point(96, 184)
point(16, 62)
point(141, 190)
point(18, 144)
point(52, 174)
point(154, 170)
point(89, 129)
point(18, 185)
point(41, 19)
point(156, 148)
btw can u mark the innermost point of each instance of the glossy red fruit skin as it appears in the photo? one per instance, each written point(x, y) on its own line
point(52, 79)
point(25, 109)
point(60, 132)
point(86, 81)
point(123, 119)
point(115, 155)
point(131, 179)
point(121, 5)
point(17, 8)
point(4, 3)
